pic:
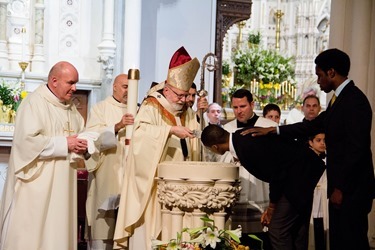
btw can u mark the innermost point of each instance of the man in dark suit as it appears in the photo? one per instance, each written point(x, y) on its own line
point(350, 173)
point(268, 158)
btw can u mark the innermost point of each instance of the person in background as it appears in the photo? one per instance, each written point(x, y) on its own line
point(163, 131)
point(320, 206)
point(214, 113)
point(39, 203)
point(272, 111)
point(350, 172)
point(190, 100)
point(297, 114)
point(213, 117)
point(109, 118)
point(311, 107)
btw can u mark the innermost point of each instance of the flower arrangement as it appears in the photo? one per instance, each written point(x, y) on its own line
point(11, 95)
point(205, 237)
point(267, 74)
point(265, 65)
point(254, 38)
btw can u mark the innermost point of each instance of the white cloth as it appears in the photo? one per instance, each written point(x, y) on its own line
point(294, 115)
point(91, 138)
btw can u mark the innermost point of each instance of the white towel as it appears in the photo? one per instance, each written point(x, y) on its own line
point(91, 138)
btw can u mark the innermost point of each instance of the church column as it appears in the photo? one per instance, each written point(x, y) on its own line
point(132, 31)
point(38, 61)
point(166, 225)
point(219, 219)
point(177, 221)
point(107, 48)
point(4, 63)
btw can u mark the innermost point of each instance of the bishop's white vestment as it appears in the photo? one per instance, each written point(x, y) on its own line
point(139, 215)
point(39, 202)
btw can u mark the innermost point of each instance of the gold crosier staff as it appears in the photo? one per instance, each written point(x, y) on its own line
point(202, 92)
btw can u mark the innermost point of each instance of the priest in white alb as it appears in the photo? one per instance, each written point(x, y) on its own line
point(109, 118)
point(163, 131)
point(39, 202)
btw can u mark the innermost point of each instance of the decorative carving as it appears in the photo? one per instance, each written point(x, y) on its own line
point(18, 8)
point(107, 62)
point(69, 28)
point(229, 12)
point(188, 195)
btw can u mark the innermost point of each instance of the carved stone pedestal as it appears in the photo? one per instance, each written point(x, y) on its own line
point(189, 190)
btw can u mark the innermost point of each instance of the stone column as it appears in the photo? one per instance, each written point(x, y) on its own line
point(4, 63)
point(38, 61)
point(107, 47)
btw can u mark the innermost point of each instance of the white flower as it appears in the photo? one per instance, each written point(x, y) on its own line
point(155, 243)
point(235, 234)
point(212, 237)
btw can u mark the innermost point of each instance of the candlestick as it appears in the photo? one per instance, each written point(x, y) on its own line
point(278, 15)
point(23, 32)
point(23, 66)
point(133, 78)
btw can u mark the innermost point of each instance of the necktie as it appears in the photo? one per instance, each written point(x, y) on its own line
point(332, 100)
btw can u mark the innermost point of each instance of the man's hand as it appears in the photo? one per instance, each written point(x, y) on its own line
point(76, 145)
point(266, 217)
point(182, 132)
point(202, 104)
point(259, 131)
point(127, 119)
point(336, 198)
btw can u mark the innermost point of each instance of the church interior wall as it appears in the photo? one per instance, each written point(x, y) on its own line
point(72, 33)
point(168, 25)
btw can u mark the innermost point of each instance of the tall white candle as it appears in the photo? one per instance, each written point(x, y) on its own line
point(278, 4)
point(23, 34)
point(133, 78)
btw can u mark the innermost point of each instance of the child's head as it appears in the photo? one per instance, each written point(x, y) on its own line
point(317, 143)
point(272, 111)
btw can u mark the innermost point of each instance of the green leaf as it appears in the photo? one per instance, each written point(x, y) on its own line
point(256, 238)
point(233, 236)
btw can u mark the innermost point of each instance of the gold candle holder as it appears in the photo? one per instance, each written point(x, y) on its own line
point(133, 74)
point(23, 66)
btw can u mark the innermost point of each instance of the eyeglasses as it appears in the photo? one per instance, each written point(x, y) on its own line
point(179, 96)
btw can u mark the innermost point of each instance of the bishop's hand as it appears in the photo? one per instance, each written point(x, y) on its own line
point(182, 132)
